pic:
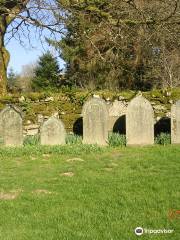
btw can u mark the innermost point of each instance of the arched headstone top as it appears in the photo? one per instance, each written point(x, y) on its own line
point(52, 120)
point(140, 122)
point(175, 123)
point(95, 122)
point(178, 103)
point(11, 126)
point(94, 101)
point(140, 101)
point(12, 108)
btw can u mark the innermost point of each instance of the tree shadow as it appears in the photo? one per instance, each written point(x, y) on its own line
point(120, 125)
point(78, 127)
point(162, 126)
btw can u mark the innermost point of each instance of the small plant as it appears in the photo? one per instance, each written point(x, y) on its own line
point(72, 139)
point(116, 140)
point(31, 140)
point(163, 139)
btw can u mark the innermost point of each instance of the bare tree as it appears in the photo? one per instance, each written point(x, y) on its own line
point(16, 20)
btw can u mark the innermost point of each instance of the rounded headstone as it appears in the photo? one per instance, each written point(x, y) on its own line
point(52, 132)
point(11, 126)
point(175, 123)
point(140, 122)
point(95, 122)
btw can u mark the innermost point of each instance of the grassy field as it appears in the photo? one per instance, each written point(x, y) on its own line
point(85, 192)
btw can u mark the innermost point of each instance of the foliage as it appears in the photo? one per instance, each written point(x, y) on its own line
point(72, 139)
point(47, 73)
point(121, 44)
point(163, 139)
point(31, 140)
point(19, 19)
point(116, 140)
point(12, 81)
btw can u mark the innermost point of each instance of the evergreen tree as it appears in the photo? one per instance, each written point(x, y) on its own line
point(47, 73)
point(121, 44)
point(12, 80)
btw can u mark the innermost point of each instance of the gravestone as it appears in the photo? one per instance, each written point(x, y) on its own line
point(175, 123)
point(52, 132)
point(140, 122)
point(95, 122)
point(11, 126)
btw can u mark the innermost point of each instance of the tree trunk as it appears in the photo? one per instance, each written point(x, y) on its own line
point(4, 59)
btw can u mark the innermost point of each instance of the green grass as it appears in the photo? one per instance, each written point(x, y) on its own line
point(88, 192)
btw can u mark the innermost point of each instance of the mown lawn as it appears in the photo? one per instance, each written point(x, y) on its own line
point(85, 192)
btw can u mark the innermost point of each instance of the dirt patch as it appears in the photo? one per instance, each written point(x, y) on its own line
point(41, 191)
point(67, 174)
point(113, 164)
point(46, 155)
point(75, 160)
point(108, 169)
point(11, 195)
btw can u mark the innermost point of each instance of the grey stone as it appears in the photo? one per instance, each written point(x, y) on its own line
point(95, 122)
point(22, 99)
point(117, 109)
point(175, 123)
point(140, 122)
point(56, 115)
point(40, 118)
point(159, 108)
point(96, 96)
point(52, 132)
point(12, 129)
point(121, 98)
point(49, 99)
point(32, 129)
point(32, 132)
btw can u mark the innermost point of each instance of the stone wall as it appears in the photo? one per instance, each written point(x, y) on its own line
point(67, 106)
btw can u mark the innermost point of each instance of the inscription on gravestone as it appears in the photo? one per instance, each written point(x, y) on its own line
point(52, 132)
point(140, 122)
point(11, 127)
point(175, 123)
point(95, 122)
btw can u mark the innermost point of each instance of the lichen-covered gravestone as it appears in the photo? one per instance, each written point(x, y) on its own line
point(53, 132)
point(11, 126)
point(175, 123)
point(95, 122)
point(140, 122)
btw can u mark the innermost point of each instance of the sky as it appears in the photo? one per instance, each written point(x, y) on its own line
point(20, 55)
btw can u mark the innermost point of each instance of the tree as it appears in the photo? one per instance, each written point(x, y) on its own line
point(17, 16)
point(47, 73)
point(24, 79)
point(12, 80)
point(121, 43)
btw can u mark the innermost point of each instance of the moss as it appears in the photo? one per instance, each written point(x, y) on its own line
point(69, 104)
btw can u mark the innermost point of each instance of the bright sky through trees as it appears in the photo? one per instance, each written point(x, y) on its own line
point(22, 55)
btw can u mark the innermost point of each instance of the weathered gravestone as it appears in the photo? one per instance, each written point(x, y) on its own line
point(140, 122)
point(52, 132)
point(95, 122)
point(11, 126)
point(175, 122)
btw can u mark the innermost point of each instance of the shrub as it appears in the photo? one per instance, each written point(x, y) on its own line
point(72, 139)
point(31, 140)
point(163, 139)
point(116, 139)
